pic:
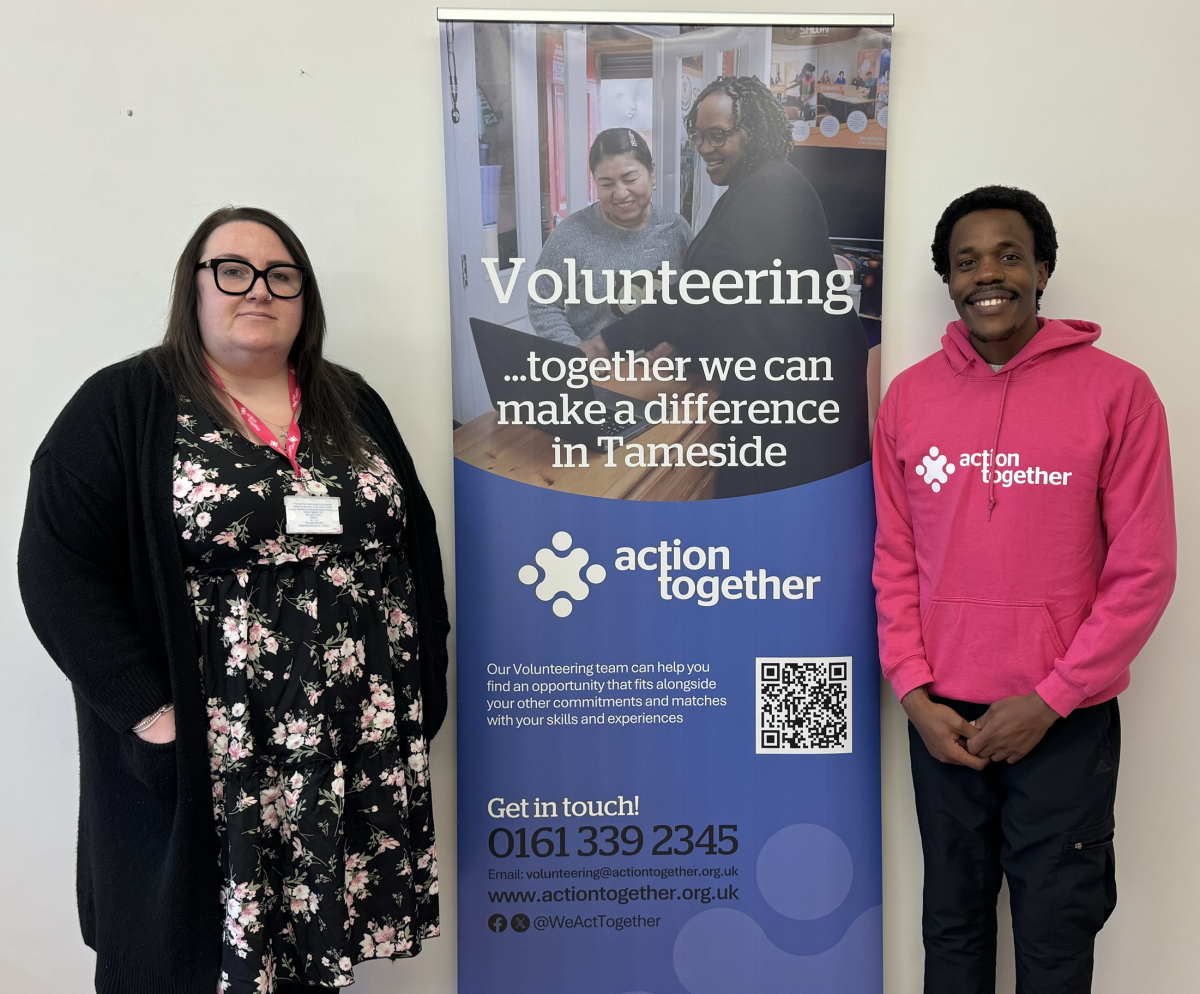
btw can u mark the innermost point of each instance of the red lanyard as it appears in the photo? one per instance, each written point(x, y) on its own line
point(259, 429)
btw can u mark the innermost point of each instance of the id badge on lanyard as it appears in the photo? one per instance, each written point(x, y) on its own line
point(307, 514)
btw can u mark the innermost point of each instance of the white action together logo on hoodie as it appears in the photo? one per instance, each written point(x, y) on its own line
point(934, 469)
point(560, 574)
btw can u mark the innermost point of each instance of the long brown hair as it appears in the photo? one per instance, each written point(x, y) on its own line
point(330, 391)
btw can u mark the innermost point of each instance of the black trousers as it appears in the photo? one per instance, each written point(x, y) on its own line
point(1045, 823)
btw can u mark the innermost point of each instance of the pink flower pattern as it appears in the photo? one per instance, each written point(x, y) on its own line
point(320, 769)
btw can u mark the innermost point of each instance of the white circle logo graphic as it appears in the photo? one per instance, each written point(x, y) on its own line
point(560, 574)
point(934, 469)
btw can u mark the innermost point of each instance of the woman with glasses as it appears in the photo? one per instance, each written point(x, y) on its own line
point(621, 230)
point(769, 218)
point(227, 551)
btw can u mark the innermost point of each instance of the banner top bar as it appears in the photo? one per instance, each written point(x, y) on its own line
point(661, 17)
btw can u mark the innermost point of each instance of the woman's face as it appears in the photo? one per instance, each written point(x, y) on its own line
point(256, 328)
point(716, 111)
point(624, 186)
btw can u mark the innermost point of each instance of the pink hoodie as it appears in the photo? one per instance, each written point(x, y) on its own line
point(1026, 535)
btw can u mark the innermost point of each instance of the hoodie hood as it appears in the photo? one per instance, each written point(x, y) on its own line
point(1052, 336)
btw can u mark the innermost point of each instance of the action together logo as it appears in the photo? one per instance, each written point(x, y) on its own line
point(560, 574)
point(1003, 468)
point(558, 578)
point(933, 469)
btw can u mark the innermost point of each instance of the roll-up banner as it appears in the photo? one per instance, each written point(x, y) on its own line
point(666, 265)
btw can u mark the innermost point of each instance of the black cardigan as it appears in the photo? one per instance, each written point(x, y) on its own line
point(103, 585)
point(771, 213)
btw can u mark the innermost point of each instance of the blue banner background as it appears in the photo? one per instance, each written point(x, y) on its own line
point(807, 825)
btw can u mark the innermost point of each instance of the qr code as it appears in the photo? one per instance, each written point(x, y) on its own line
point(803, 704)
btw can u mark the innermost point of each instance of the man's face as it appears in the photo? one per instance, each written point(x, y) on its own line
point(994, 277)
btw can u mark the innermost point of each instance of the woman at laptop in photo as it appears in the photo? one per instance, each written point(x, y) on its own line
point(227, 551)
point(769, 217)
point(621, 230)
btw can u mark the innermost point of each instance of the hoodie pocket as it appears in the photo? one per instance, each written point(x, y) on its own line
point(1010, 645)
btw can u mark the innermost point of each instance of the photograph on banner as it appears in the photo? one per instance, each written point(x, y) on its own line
point(665, 257)
point(640, 311)
point(833, 83)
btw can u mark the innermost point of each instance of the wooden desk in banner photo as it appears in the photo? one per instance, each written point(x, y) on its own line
point(525, 454)
point(855, 98)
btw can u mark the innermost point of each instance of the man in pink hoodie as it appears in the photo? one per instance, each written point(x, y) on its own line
point(1025, 551)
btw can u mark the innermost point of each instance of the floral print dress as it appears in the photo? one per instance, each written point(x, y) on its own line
point(308, 654)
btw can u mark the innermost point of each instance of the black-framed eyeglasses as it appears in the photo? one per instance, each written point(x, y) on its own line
point(716, 137)
point(236, 276)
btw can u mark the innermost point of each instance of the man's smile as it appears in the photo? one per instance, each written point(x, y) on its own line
point(992, 299)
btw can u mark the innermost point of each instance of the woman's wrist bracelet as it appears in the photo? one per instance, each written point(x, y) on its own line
point(146, 722)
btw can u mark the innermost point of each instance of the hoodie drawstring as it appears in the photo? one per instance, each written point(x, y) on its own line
point(995, 445)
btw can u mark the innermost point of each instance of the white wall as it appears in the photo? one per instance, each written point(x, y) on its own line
point(328, 113)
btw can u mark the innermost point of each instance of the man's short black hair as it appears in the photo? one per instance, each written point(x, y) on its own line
point(997, 198)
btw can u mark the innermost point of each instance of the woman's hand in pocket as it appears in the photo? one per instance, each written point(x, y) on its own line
point(162, 731)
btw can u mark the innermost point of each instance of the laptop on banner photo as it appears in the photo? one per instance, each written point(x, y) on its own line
point(504, 357)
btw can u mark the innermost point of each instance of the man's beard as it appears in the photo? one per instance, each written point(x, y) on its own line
point(1004, 337)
